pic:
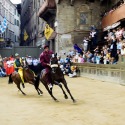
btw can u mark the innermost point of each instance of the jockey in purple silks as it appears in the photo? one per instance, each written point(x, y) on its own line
point(45, 61)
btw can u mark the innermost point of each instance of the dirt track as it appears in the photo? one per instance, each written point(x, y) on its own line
point(98, 103)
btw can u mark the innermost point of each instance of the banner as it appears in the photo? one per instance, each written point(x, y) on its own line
point(25, 35)
point(49, 32)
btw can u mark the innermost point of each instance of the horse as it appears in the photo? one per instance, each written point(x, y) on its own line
point(57, 78)
point(28, 78)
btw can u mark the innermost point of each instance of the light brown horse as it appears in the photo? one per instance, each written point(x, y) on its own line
point(28, 78)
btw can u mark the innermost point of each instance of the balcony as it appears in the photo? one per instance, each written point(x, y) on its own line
point(47, 10)
point(113, 16)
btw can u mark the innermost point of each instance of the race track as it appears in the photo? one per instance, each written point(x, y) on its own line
point(98, 103)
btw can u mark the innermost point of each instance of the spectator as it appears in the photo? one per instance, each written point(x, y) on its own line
point(93, 35)
point(96, 50)
point(73, 72)
point(89, 56)
point(117, 56)
point(85, 44)
point(1, 61)
point(123, 51)
point(67, 69)
point(2, 72)
point(80, 59)
point(97, 59)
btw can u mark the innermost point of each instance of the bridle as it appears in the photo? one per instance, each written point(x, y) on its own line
point(53, 66)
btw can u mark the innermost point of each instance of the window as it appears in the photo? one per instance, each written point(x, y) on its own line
point(34, 4)
point(15, 11)
point(15, 21)
point(15, 38)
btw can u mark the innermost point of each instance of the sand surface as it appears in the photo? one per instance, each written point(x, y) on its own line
point(98, 103)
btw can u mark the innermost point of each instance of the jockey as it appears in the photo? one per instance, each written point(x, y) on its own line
point(18, 67)
point(45, 61)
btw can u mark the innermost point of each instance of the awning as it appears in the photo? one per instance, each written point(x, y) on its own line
point(112, 26)
point(47, 9)
point(114, 16)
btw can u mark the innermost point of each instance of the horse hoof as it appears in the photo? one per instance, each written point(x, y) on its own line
point(74, 101)
point(57, 100)
point(40, 94)
point(66, 97)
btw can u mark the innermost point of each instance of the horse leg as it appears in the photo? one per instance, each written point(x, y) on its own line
point(65, 85)
point(40, 90)
point(57, 83)
point(37, 89)
point(18, 86)
point(49, 91)
point(23, 85)
point(36, 84)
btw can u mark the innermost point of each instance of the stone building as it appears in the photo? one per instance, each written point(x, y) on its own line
point(71, 19)
point(32, 24)
point(74, 18)
point(11, 35)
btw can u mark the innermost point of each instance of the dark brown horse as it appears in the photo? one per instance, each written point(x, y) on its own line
point(57, 79)
point(28, 78)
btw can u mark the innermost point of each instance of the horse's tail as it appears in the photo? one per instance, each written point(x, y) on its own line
point(37, 80)
point(10, 81)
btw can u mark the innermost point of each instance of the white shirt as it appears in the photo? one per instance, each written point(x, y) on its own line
point(9, 64)
point(92, 34)
point(35, 62)
point(29, 61)
point(85, 42)
point(122, 51)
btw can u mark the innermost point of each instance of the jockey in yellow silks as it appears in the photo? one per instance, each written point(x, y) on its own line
point(18, 63)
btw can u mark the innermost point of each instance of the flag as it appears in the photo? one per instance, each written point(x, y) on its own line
point(4, 23)
point(25, 35)
point(49, 32)
point(3, 26)
point(2, 29)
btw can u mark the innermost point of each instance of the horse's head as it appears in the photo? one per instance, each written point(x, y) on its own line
point(54, 63)
point(54, 59)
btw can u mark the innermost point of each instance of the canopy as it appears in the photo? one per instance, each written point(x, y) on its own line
point(113, 17)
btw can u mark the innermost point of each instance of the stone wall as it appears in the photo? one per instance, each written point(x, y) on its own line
point(79, 18)
point(109, 73)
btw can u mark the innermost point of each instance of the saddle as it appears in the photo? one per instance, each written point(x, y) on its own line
point(43, 73)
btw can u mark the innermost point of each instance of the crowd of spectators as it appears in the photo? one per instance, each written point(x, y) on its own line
point(7, 64)
point(106, 54)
